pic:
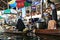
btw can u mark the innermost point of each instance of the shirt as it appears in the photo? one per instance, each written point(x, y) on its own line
point(52, 6)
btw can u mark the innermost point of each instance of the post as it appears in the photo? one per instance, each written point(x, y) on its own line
point(42, 8)
point(7, 4)
point(46, 4)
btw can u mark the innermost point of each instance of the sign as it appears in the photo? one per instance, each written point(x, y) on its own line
point(33, 7)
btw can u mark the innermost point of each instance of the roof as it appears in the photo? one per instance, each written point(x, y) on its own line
point(3, 4)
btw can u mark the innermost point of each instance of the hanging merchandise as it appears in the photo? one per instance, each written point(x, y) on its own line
point(7, 11)
point(13, 5)
point(20, 5)
point(27, 4)
point(29, 1)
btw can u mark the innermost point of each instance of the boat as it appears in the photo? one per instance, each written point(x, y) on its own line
point(55, 32)
point(48, 34)
point(14, 33)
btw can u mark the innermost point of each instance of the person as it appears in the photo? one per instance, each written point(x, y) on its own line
point(53, 8)
point(52, 24)
point(20, 25)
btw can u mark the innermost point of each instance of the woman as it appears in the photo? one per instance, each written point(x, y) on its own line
point(54, 11)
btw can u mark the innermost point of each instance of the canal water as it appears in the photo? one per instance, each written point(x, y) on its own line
point(18, 37)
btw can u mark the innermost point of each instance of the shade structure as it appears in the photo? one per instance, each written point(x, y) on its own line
point(11, 2)
point(27, 4)
point(20, 5)
point(29, 1)
point(13, 5)
point(7, 11)
point(18, 1)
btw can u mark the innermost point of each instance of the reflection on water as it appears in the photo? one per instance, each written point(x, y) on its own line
point(18, 38)
point(14, 37)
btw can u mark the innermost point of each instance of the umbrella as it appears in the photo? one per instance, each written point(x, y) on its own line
point(20, 5)
point(10, 11)
point(36, 3)
point(7, 11)
point(1, 17)
point(29, 1)
point(11, 2)
point(13, 5)
point(18, 1)
point(13, 11)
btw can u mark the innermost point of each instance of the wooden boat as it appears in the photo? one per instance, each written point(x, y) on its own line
point(48, 34)
point(45, 34)
point(14, 33)
point(55, 32)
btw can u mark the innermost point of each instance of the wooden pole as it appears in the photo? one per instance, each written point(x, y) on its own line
point(4, 2)
point(46, 4)
point(41, 8)
point(7, 4)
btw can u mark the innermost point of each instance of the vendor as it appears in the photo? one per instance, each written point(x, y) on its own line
point(20, 25)
point(54, 11)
